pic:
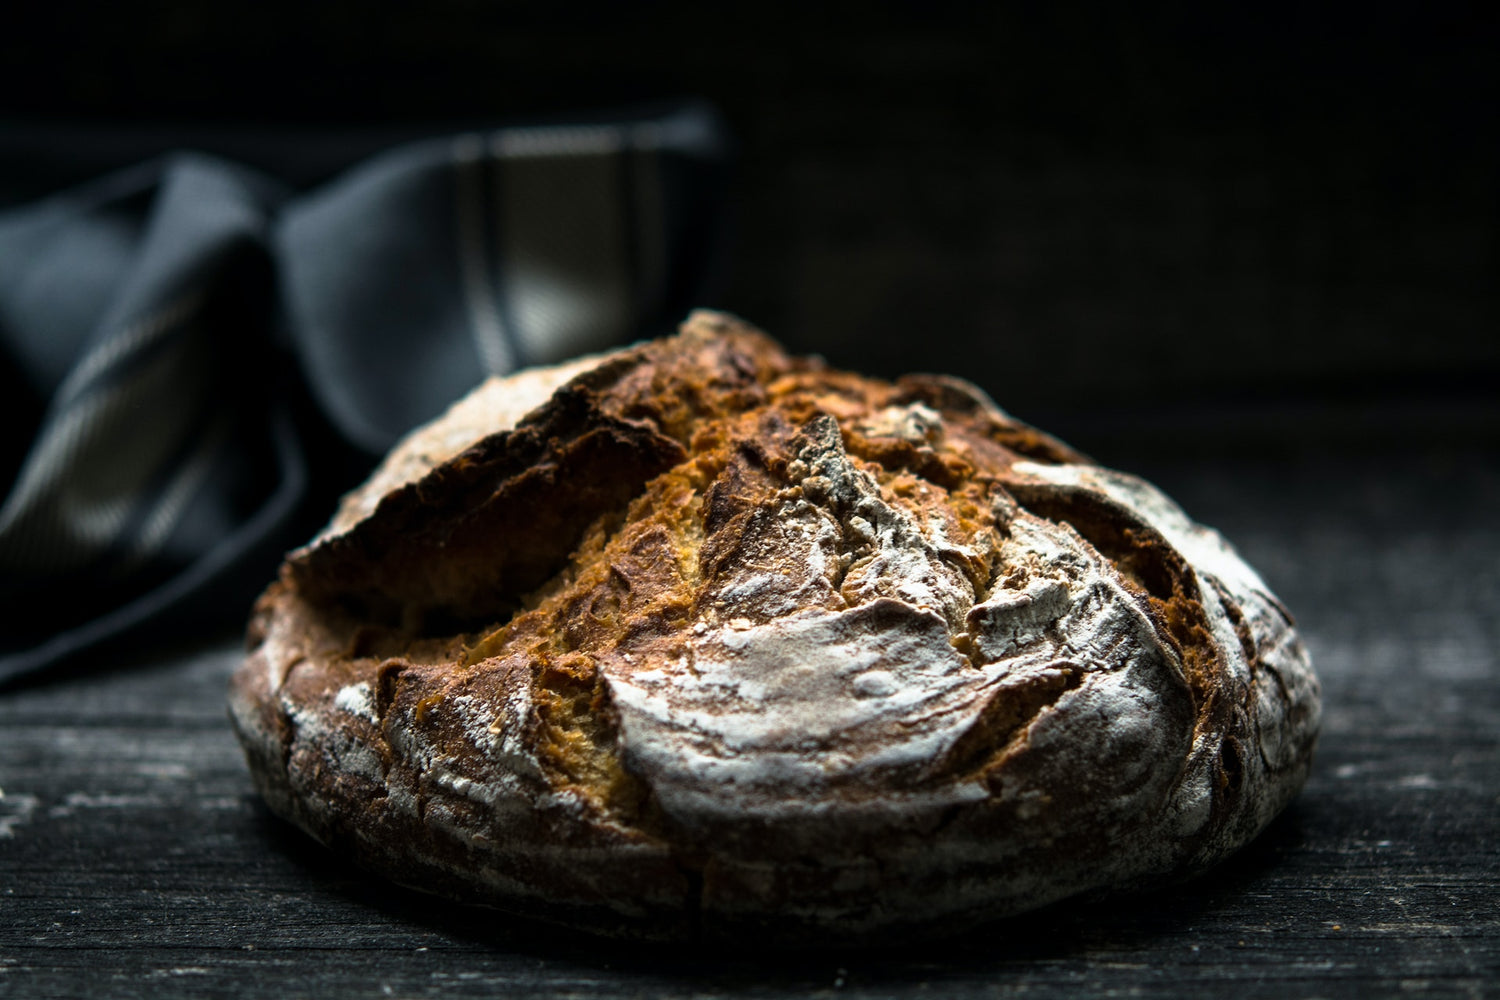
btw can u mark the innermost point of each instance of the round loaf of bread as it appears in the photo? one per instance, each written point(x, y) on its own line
point(696, 639)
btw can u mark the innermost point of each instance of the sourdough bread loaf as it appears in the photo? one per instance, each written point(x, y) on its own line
point(699, 639)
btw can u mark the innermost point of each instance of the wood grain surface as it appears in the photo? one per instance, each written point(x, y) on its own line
point(135, 859)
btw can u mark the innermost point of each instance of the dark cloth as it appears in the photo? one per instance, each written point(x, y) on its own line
point(198, 356)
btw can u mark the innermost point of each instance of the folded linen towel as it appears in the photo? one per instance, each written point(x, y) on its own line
point(209, 353)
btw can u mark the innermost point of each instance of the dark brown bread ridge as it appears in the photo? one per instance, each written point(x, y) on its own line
point(698, 639)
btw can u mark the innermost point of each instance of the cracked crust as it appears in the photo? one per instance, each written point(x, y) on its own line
point(697, 639)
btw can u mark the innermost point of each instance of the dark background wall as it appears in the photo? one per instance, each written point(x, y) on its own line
point(1072, 206)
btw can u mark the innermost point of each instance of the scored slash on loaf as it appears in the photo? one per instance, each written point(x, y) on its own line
point(696, 639)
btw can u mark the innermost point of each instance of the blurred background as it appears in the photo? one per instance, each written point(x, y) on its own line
point(1076, 207)
point(1220, 229)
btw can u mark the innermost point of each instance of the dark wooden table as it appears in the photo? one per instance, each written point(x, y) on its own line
point(135, 859)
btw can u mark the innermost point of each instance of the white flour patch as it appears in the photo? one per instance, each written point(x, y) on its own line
point(355, 699)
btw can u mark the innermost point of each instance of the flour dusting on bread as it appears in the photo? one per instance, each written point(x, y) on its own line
point(699, 639)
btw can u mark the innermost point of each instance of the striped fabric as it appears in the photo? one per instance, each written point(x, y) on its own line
point(218, 354)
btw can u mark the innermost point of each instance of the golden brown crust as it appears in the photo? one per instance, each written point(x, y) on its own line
point(721, 641)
